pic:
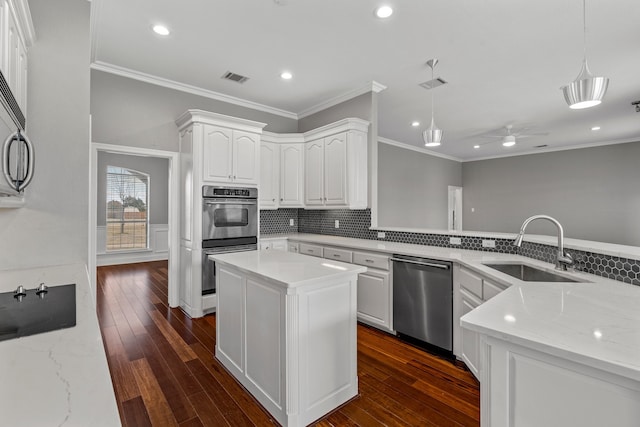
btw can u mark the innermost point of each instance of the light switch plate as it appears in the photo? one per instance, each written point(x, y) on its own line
point(337, 224)
point(381, 235)
point(291, 222)
point(488, 243)
point(455, 240)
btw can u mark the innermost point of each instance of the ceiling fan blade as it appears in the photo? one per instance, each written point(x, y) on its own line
point(526, 135)
point(492, 136)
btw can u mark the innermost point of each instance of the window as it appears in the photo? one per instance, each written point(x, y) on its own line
point(127, 213)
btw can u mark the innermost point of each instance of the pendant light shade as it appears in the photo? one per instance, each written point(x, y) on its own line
point(586, 90)
point(432, 136)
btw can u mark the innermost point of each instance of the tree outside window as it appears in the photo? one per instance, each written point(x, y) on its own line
point(127, 213)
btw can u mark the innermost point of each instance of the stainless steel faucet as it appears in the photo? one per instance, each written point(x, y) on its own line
point(562, 259)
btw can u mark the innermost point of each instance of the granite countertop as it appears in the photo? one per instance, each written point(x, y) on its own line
point(288, 269)
point(58, 378)
point(595, 321)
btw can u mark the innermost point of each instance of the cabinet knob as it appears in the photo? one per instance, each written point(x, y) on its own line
point(281, 200)
point(234, 177)
point(229, 176)
point(273, 200)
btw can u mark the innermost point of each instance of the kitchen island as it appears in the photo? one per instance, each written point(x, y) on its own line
point(286, 330)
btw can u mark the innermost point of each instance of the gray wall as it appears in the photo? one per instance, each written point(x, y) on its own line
point(413, 188)
point(158, 171)
point(360, 107)
point(53, 228)
point(133, 113)
point(593, 192)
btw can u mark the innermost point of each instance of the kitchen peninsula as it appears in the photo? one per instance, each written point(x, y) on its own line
point(286, 330)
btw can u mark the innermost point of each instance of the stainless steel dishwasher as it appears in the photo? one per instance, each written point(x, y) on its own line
point(423, 301)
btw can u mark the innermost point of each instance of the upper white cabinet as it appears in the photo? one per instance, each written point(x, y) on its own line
point(269, 193)
point(336, 166)
point(230, 156)
point(16, 35)
point(292, 175)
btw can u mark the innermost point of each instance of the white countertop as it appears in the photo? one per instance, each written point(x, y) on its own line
point(288, 269)
point(58, 378)
point(596, 323)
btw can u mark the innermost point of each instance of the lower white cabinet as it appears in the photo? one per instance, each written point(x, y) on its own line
point(275, 244)
point(293, 247)
point(470, 289)
point(374, 298)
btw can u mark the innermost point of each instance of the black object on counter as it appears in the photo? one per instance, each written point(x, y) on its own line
point(34, 311)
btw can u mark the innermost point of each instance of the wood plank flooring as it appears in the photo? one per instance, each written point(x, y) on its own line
point(164, 372)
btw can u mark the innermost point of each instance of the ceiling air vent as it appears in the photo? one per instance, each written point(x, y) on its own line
point(234, 77)
point(433, 83)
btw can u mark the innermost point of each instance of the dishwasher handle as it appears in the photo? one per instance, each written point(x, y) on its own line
point(426, 264)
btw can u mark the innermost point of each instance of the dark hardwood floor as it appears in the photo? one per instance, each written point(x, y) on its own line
point(164, 372)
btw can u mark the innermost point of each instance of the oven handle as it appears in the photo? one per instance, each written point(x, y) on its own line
point(228, 202)
point(208, 252)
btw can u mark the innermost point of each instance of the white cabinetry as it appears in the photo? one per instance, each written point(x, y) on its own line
point(230, 156)
point(470, 290)
point(336, 166)
point(209, 143)
point(269, 193)
point(374, 290)
point(274, 244)
point(292, 175)
point(16, 35)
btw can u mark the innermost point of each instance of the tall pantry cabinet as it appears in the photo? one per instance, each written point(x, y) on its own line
point(214, 150)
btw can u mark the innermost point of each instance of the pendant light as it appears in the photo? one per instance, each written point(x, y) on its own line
point(586, 90)
point(432, 136)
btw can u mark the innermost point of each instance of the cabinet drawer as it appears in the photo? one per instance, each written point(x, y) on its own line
point(490, 289)
point(293, 247)
point(471, 282)
point(313, 250)
point(338, 254)
point(371, 260)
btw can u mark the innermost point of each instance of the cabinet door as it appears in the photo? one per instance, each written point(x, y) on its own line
point(292, 175)
point(269, 175)
point(246, 149)
point(335, 170)
point(293, 247)
point(374, 304)
point(314, 173)
point(217, 149)
point(470, 341)
point(230, 338)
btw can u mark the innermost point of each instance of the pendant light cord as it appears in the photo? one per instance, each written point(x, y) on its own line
point(432, 65)
point(584, 29)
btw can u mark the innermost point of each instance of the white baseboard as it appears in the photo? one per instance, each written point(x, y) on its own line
point(158, 247)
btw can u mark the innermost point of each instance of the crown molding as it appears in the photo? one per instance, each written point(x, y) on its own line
point(372, 86)
point(171, 84)
point(23, 14)
point(418, 149)
point(554, 149)
point(216, 119)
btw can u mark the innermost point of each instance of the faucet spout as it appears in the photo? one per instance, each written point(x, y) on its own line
point(562, 259)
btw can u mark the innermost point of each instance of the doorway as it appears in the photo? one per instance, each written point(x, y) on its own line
point(173, 211)
point(455, 208)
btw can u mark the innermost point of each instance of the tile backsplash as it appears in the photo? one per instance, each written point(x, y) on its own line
point(356, 223)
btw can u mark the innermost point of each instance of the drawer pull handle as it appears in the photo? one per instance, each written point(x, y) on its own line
point(368, 260)
point(336, 255)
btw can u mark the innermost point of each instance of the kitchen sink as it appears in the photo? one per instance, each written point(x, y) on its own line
point(527, 273)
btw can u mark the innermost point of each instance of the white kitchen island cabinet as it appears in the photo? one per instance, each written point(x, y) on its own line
point(286, 330)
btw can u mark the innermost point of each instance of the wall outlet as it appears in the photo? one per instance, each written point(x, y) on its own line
point(337, 224)
point(488, 243)
point(291, 222)
point(381, 235)
point(455, 240)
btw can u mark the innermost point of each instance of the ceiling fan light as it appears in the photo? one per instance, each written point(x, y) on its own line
point(509, 141)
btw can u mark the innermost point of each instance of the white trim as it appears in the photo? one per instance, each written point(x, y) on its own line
point(183, 87)
point(96, 8)
point(23, 14)
point(553, 149)
point(343, 125)
point(158, 238)
point(217, 119)
point(174, 209)
point(282, 138)
point(372, 86)
point(418, 149)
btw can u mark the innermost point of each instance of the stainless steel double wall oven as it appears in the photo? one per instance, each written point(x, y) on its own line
point(229, 224)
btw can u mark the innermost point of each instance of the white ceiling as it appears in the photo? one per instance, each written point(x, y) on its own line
point(504, 61)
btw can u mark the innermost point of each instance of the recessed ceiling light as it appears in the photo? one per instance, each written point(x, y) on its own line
point(286, 75)
point(476, 146)
point(415, 124)
point(595, 128)
point(384, 12)
point(161, 29)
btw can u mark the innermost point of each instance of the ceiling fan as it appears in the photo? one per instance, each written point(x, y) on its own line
point(510, 135)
